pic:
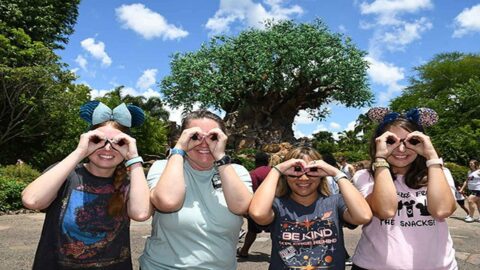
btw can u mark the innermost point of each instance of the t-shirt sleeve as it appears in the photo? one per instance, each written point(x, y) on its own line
point(363, 181)
point(155, 172)
point(451, 182)
point(244, 175)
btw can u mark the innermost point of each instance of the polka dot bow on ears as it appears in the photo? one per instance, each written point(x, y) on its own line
point(424, 117)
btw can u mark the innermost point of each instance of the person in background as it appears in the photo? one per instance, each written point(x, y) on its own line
point(199, 197)
point(409, 194)
point(346, 167)
point(473, 183)
point(460, 198)
point(305, 219)
point(89, 205)
point(330, 159)
point(258, 174)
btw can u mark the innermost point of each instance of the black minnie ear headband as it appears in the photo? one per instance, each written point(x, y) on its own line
point(423, 117)
point(95, 112)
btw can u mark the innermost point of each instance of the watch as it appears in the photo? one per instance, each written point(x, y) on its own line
point(339, 176)
point(223, 161)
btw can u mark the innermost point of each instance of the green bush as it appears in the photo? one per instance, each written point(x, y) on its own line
point(23, 173)
point(10, 194)
point(459, 173)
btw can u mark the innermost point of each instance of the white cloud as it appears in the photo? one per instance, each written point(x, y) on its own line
point(342, 28)
point(386, 74)
point(392, 32)
point(405, 34)
point(94, 93)
point(302, 118)
point(335, 125)
point(150, 93)
point(147, 79)
point(319, 128)
point(97, 50)
point(249, 13)
point(148, 23)
point(391, 7)
point(81, 61)
point(351, 126)
point(467, 21)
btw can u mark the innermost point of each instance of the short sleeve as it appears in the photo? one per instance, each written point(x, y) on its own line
point(363, 181)
point(155, 172)
point(451, 182)
point(244, 175)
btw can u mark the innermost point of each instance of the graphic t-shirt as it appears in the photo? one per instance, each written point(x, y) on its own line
point(78, 233)
point(413, 239)
point(473, 180)
point(308, 237)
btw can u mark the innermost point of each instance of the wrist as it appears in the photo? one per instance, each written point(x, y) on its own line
point(132, 155)
point(132, 161)
point(435, 161)
point(218, 157)
point(339, 176)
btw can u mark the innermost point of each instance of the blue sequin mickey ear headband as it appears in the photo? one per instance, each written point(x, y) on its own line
point(95, 112)
point(424, 117)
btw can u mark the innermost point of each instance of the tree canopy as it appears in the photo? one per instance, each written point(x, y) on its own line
point(46, 21)
point(449, 84)
point(262, 78)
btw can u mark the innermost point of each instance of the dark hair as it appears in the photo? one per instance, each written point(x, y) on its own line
point(300, 152)
point(330, 159)
point(416, 175)
point(116, 203)
point(199, 114)
point(261, 159)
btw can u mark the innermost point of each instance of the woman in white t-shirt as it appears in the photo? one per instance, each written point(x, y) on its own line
point(473, 182)
point(409, 195)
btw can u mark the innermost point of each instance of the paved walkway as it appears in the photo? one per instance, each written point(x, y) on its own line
point(19, 236)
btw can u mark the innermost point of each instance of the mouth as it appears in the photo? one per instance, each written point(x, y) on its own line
point(204, 151)
point(400, 157)
point(106, 157)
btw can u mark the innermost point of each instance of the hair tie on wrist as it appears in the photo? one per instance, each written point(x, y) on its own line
point(278, 170)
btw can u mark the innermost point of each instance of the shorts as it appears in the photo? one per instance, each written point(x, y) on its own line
point(254, 227)
point(475, 192)
point(461, 202)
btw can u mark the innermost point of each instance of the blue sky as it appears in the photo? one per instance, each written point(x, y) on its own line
point(129, 43)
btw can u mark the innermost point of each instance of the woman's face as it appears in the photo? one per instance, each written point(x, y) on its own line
point(401, 157)
point(107, 157)
point(304, 187)
point(472, 166)
point(200, 157)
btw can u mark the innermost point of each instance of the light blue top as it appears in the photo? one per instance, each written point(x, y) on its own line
point(203, 234)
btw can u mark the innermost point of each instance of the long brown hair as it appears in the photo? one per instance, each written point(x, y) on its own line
point(116, 203)
point(299, 153)
point(416, 176)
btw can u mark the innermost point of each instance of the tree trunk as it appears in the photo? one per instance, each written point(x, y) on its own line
point(254, 126)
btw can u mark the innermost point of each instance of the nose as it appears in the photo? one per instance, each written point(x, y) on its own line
point(108, 145)
point(402, 146)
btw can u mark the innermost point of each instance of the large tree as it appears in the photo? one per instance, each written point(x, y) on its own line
point(47, 21)
point(449, 84)
point(262, 78)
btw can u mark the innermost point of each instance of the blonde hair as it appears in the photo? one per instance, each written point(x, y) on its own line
point(299, 153)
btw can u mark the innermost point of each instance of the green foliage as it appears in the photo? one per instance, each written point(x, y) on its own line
point(46, 21)
point(264, 77)
point(352, 156)
point(459, 172)
point(22, 173)
point(450, 85)
point(10, 193)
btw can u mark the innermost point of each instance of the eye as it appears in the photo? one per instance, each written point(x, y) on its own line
point(390, 140)
point(297, 169)
point(95, 139)
point(214, 137)
point(121, 142)
point(195, 137)
point(414, 141)
point(313, 169)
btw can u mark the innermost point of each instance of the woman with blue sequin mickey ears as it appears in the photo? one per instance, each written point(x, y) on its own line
point(409, 194)
point(199, 196)
point(89, 205)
